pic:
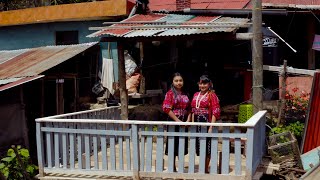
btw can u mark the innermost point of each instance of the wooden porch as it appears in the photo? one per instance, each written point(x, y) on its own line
point(96, 145)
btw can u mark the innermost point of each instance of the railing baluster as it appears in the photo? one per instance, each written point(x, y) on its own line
point(128, 151)
point(87, 147)
point(149, 150)
point(72, 145)
point(104, 153)
point(56, 147)
point(182, 149)
point(192, 154)
point(237, 152)
point(120, 142)
point(112, 148)
point(95, 148)
point(159, 158)
point(225, 152)
point(136, 151)
point(79, 139)
point(171, 156)
point(142, 149)
point(214, 153)
point(49, 143)
point(64, 147)
point(203, 149)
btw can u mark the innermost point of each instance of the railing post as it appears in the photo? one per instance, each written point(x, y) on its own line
point(263, 135)
point(40, 149)
point(136, 152)
point(249, 153)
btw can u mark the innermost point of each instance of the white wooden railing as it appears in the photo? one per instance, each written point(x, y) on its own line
point(97, 143)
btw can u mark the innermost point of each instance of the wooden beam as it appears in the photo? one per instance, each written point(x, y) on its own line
point(283, 92)
point(142, 89)
point(290, 70)
point(209, 26)
point(122, 82)
point(209, 36)
point(244, 36)
point(311, 29)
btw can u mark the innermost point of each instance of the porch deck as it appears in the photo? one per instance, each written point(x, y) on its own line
point(94, 145)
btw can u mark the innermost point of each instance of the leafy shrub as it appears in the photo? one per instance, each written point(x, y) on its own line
point(17, 165)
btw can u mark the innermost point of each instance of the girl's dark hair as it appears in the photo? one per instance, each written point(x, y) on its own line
point(205, 79)
point(172, 87)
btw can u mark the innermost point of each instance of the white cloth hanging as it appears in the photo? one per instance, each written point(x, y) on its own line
point(107, 76)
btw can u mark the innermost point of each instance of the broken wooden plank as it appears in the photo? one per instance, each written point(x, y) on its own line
point(290, 70)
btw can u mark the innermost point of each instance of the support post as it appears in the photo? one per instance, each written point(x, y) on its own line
point(122, 82)
point(257, 58)
point(40, 149)
point(283, 92)
point(142, 89)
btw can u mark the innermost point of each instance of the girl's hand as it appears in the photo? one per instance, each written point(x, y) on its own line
point(210, 129)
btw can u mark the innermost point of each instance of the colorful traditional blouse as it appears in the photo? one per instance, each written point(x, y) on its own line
point(179, 104)
point(207, 105)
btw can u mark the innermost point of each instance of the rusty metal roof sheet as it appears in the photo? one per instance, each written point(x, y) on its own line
point(170, 5)
point(171, 25)
point(18, 81)
point(31, 62)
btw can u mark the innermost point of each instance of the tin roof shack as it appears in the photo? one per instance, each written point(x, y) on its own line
point(189, 44)
point(42, 81)
point(57, 25)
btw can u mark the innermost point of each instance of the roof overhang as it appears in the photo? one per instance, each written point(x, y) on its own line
point(17, 81)
point(21, 66)
point(171, 26)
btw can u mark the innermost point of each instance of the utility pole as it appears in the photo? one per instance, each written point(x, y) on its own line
point(257, 55)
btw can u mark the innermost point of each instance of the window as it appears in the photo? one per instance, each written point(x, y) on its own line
point(67, 37)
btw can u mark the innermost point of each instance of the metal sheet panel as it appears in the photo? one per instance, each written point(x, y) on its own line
point(312, 131)
point(19, 82)
point(122, 32)
point(7, 55)
point(10, 80)
point(170, 5)
point(173, 20)
point(37, 60)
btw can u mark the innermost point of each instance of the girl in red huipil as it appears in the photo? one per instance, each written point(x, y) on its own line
point(205, 107)
point(177, 105)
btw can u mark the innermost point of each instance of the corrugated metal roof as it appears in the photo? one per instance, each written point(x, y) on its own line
point(311, 137)
point(170, 5)
point(11, 54)
point(9, 80)
point(173, 25)
point(31, 62)
point(19, 81)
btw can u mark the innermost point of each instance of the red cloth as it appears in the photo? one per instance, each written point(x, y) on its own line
point(179, 105)
point(209, 105)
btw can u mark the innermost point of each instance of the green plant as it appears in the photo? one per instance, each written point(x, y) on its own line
point(17, 164)
point(296, 128)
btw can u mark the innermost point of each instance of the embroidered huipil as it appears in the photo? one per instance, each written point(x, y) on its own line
point(178, 105)
point(207, 105)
